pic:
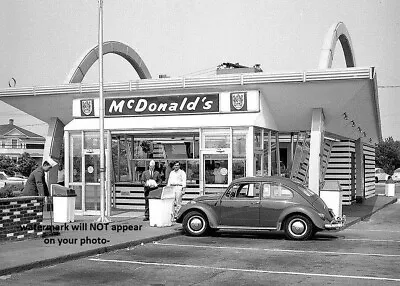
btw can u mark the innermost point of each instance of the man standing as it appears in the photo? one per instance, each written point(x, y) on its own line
point(150, 180)
point(36, 183)
point(177, 179)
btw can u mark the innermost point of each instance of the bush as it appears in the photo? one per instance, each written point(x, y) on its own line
point(9, 191)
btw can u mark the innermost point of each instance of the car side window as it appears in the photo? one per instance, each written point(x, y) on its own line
point(280, 192)
point(266, 191)
point(244, 191)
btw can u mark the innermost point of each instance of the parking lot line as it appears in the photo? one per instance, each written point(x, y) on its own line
point(277, 250)
point(247, 270)
point(371, 240)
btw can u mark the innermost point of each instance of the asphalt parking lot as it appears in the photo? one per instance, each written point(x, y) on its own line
point(367, 253)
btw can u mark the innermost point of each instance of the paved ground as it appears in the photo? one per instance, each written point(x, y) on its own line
point(367, 253)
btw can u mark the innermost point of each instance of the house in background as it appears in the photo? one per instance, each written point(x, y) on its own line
point(15, 140)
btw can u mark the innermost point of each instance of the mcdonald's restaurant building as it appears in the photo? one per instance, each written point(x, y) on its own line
point(312, 126)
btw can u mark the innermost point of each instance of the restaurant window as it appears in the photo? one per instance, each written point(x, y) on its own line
point(239, 153)
point(76, 158)
point(165, 150)
point(257, 138)
point(217, 138)
point(266, 151)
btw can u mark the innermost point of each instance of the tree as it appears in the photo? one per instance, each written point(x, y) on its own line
point(25, 164)
point(387, 155)
point(7, 165)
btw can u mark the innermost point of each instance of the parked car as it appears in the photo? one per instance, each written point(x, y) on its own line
point(380, 175)
point(7, 180)
point(260, 203)
point(396, 175)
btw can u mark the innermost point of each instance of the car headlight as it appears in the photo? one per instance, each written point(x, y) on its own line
point(192, 202)
point(321, 215)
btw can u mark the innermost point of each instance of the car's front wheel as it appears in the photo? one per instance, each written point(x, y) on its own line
point(195, 223)
point(298, 227)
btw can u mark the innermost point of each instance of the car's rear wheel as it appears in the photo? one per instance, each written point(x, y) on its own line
point(298, 227)
point(376, 180)
point(195, 223)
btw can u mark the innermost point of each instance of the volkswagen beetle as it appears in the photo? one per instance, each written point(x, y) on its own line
point(260, 203)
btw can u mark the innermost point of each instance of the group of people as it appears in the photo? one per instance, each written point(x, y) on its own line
point(151, 179)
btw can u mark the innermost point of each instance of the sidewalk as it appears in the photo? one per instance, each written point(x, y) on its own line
point(17, 256)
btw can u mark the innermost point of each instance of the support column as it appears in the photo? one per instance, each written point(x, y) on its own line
point(250, 162)
point(317, 136)
point(66, 159)
point(52, 147)
point(359, 171)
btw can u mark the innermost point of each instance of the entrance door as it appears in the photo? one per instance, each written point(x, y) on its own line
point(91, 182)
point(217, 171)
point(91, 190)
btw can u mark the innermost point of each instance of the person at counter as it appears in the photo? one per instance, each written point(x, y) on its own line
point(177, 179)
point(218, 173)
point(150, 180)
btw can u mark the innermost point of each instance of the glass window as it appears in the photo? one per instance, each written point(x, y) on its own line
point(257, 138)
point(239, 143)
point(238, 168)
point(91, 140)
point(274, 170)
point(14, 143)
point(92, 168)
point(266, 191)
point(280, 192)
point(217, 138)
point(76, 159)
point(216, 169)
point(258, 159)
point(244, 191)
point(266, 152)
point(192, 174)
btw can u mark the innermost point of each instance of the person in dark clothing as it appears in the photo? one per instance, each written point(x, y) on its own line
point(150, 180)
point(36, 183)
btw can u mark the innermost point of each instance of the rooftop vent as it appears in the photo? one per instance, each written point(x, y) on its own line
point(230, 68)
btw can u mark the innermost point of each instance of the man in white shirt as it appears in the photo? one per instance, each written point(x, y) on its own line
point(177, 179)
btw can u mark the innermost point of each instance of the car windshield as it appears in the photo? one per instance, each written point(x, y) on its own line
point(379, 171)
point(306, 191)
point(2, 177)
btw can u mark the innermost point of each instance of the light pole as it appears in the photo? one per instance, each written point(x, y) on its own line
point(102, 218)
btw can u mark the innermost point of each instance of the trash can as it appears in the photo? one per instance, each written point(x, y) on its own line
point(331, 194)
point(161, 206)
point(63, 203)
point(390, 187)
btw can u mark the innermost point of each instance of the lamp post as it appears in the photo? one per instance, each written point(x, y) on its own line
point(102, 218)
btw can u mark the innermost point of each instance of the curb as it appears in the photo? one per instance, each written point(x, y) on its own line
point(370, 214)
point(86, 253)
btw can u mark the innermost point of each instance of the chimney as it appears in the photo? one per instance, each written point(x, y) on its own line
point(11, 121)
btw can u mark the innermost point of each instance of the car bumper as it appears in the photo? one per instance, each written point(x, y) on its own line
point(336, 224)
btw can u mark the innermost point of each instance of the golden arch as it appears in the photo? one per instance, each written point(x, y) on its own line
point(336, 32)
point(77, 74)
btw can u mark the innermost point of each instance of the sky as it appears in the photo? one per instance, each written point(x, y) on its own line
point(42, 40)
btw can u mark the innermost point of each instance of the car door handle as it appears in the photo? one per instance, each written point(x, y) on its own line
point(255, 203)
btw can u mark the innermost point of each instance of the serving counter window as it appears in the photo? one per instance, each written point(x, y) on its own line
point(165, 150)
